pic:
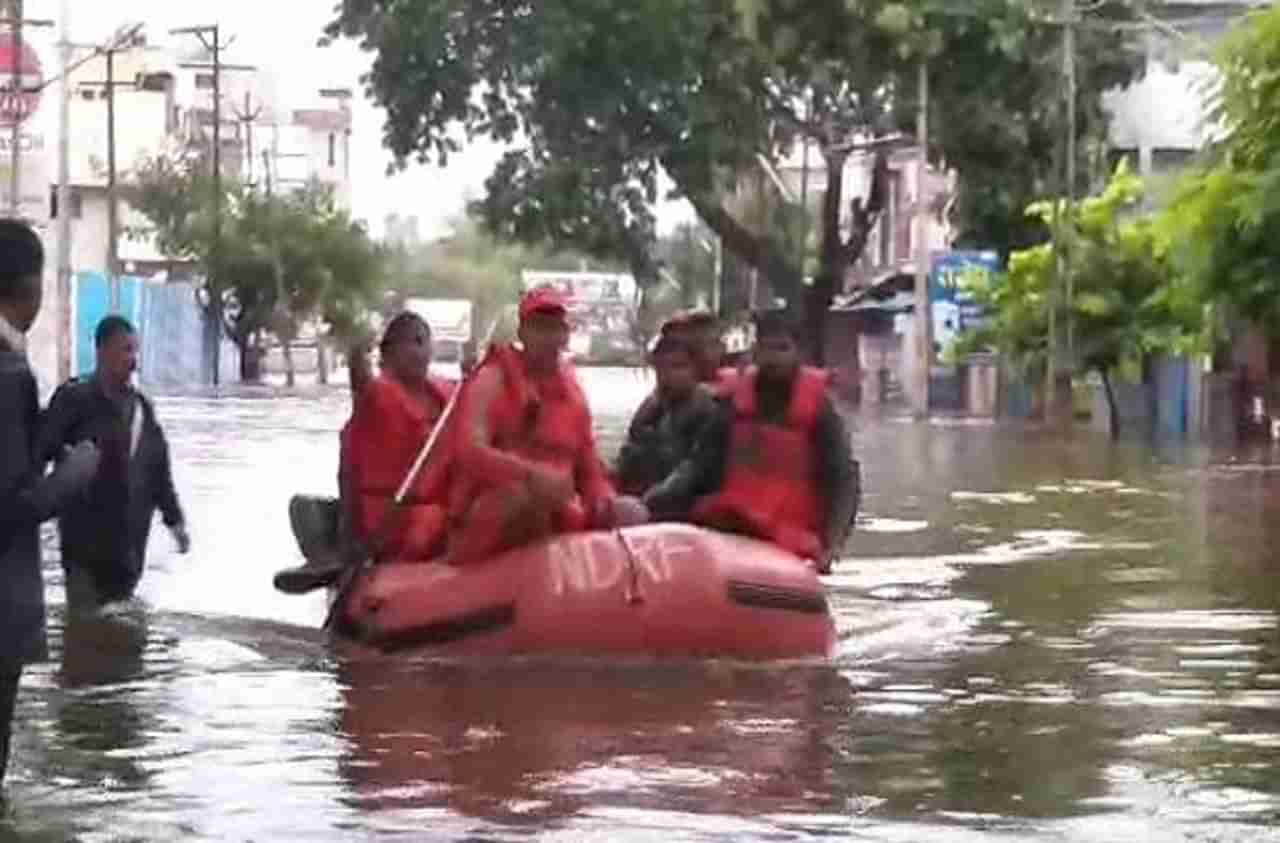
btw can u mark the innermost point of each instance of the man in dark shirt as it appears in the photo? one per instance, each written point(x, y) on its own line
point(763, 408)
point(664, 430)
point(27, 497)
point(104, 535)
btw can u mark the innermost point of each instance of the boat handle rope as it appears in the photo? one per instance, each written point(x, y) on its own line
point(633, 595)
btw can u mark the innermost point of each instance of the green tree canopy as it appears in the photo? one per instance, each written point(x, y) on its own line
point(600, 98)
point(282, 260)
point(1225, 219)
point(1127, 300)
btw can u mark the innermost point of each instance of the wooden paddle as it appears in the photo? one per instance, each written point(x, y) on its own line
point(390, 522)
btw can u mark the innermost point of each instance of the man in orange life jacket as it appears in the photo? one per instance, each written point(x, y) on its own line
point(526, 464)
point(775, 463)
point(394, 413)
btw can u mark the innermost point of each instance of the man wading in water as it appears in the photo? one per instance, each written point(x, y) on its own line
point(104, 535)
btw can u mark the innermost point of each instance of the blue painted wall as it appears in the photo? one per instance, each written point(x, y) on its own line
point(170, 326)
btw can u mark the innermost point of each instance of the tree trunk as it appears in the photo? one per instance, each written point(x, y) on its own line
point(322, 363)
point(1113, 410)
point(290, 375)
point(250, 363)
point(832, 260)
point(785, 277)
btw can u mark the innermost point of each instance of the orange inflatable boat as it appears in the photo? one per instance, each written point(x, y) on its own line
point(659, 591)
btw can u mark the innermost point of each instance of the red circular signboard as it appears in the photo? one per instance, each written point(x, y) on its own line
point(20, 101)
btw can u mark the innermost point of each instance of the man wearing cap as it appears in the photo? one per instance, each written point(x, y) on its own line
point(525, 452)
point(775, 462)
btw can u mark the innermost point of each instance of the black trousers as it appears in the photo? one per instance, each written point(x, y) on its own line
point(90, 589)
point(8, 697)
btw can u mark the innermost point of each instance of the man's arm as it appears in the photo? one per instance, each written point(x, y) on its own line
point(700, 473)
point(57, 422)
point(27, 499)
point(166, 491)
point(359, 369)
point(837, 477)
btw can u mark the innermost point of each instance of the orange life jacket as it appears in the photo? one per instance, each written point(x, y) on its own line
point(547, 422)
point(386, 432)
point(770, 482)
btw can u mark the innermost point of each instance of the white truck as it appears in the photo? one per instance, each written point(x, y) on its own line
point(450, 321)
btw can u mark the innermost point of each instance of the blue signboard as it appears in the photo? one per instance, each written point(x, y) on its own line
point(945, 282)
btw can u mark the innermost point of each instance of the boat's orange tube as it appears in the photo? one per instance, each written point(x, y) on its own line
point(663, 590)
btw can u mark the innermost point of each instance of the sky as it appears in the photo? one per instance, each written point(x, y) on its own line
point(280, 36)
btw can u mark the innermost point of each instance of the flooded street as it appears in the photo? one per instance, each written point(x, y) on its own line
point(1041, 640)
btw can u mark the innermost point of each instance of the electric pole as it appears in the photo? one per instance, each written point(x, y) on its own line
point(63, 331)
point(127, 40)
point(210, 37)
point(923, 313)
point(246, 118)
point(1059, 400)
point(1069, 70)
point(15, 138)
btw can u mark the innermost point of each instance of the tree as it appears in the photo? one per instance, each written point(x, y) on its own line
point(606, 96)
point(1225, 218)
point(1128, 301)
point(1005, 137)
point(603, 97)
point(284, 260)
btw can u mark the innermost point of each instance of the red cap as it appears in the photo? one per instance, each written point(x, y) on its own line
point(543, 300)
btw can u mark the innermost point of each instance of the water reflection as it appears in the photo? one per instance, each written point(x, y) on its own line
point(96, 721)
point(535, 742)
point(1041, 639)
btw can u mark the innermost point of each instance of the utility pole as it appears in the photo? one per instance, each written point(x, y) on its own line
point(246, 118)
point(127, 40)
point(210, 37)
point(15, 138)
point(1059, 401)
point(1069, 70)
point(63, 303)
point(923, 313)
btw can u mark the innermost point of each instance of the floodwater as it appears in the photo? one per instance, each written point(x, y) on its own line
point(1041, 640)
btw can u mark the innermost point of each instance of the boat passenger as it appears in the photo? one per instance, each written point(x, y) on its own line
point(662, 434)
point(775, 461)
point(701, 329)
point(526, 464)
point(394, 414)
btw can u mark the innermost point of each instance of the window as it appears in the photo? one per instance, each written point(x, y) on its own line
point(333, 149)
point(204, 81)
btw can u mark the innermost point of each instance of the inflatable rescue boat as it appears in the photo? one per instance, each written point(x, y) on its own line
point(657, 591)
